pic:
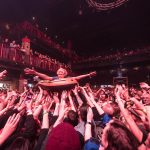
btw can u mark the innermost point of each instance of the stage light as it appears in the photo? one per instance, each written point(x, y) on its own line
point(80, 12)
point(33, 18)
point(7, 26)
point(136, 68)
point(123, 69)
point(112, 71)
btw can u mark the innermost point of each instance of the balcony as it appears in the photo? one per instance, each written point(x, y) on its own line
point(17, 59)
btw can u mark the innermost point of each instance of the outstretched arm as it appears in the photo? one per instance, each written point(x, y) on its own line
point(75, 91)
point(41, 75)
point(85, 75)
point(133, 127)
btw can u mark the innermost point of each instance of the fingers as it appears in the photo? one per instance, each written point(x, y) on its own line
point(3, 74)
point(16, 120)
point(66, 110)
point(13, 120)
point(9, 120)
point(64, 94)
point(27, 70)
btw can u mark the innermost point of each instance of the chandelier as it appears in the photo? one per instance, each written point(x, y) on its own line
point(102, 5)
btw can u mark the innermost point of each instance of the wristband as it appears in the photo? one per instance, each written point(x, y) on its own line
point(29, 112)
point(45, 112)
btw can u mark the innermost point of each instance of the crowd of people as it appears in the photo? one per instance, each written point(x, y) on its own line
point(14, 52)
point(116, 118)
point(117, 55)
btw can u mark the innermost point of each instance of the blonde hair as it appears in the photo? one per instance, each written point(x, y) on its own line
point(63, 70)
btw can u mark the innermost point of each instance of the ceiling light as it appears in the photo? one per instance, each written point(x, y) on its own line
point(136, 68)
point(101, 6)
point(33, 18)
point(7, 26)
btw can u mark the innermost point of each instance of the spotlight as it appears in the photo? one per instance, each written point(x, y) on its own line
point(80, 12)
point(56, 36)
point(136, 68)
point(123, 69)
point(37, 25)
point(33, 18)
point(7, 26)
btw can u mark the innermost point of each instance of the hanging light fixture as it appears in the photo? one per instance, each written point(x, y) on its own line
point(100, 5)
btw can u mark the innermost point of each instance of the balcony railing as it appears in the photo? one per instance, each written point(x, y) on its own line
point(17, 56)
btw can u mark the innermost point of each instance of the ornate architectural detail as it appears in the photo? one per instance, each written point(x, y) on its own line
point(102, 5)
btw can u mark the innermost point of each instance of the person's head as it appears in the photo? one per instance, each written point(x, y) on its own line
point(61, 72)
point(83, 112)
point(146, 99)
point(108, 109)
point(139, 93)
point(103, 96)
point(116, 136)
point(111, 108)
point(72, 118)
point(63, 137)
point(20, 143)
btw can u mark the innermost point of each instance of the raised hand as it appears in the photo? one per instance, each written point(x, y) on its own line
point(45, 106)
point(144, 85)
point(21, 107)
point(29, 71)
point(29, 105)
point(9, 127)
point(75, 90)
point(92, 73)
point(63, 111)
point(89, 115)
point(117, 92)
point(64, 95)
point(56, 99)
point(3, 74)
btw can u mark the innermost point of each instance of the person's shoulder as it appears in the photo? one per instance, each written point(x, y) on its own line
point(92, 143)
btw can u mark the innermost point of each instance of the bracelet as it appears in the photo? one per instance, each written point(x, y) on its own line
point(29, 112)
point(45, 112)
